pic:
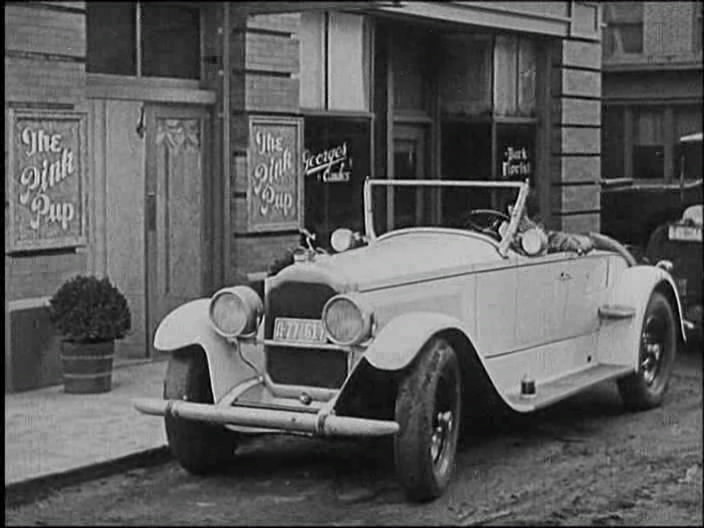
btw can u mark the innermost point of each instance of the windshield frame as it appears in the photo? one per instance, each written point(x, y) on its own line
point(516, 210)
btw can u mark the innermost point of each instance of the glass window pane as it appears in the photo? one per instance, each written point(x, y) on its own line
point(336, 162)
point(111, 38)
point(612, 142)
point(407, 64)
point(526, 78)
point(311, 42)
point(649, 162)
point(465, 75)
point(505, 85)
point(170, 41)
point(648, 127)
point(348, 77)
point(466, 155)
point(631, 36)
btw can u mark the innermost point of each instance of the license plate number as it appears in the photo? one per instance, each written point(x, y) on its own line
point(685, 233)
point(299, 330)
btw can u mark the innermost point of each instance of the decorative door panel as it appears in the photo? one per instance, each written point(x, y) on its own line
point(175, 203)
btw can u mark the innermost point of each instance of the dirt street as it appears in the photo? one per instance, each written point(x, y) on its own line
point(584, 461)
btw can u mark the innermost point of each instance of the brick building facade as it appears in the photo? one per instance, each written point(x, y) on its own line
point(206, 133)
point(652, 96)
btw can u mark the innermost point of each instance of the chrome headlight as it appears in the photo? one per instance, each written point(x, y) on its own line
point(347, 320)
point(235, 311)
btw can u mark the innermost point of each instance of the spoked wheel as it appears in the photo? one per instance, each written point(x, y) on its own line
point(428, 408)
point(646, 388)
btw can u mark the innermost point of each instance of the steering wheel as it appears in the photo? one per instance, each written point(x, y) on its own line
point(486, 221)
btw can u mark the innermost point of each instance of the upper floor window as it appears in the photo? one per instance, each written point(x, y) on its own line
point(335, 61)
point(624, 28)
point(150, 39)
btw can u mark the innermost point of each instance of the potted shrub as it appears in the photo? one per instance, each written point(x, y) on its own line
point(89, 313)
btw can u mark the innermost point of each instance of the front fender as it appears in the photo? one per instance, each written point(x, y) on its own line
point(188, 325)
point(618, 341)
point(402, 338)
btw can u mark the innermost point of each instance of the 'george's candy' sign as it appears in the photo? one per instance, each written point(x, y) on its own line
point(46, 180)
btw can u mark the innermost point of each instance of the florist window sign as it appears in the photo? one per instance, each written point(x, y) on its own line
point(274, 194)
point(47, 180)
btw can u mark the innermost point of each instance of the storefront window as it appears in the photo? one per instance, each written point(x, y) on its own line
point(612, 142)
point(466, 155)
point(514, 76)
point(336, 163)
point(648, 144)
point(464, 79)
point(515, 148)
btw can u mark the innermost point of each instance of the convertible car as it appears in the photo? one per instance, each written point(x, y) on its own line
point(401, 334)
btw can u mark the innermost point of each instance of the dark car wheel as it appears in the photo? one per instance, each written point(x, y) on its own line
point(199, 447)
point(428, 409)
point(646, 388)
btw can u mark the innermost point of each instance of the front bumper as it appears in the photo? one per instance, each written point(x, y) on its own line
point(321, 423)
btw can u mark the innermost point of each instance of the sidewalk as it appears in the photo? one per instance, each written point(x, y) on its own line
point(49, 432)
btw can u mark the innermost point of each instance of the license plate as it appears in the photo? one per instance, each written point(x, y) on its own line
point(685, 233)
point(299, 330)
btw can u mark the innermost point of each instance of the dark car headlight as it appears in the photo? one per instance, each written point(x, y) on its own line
point(347, 320)
point(235, 311)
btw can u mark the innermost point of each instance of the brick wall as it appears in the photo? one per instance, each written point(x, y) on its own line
point(576, 135)
point(45, 55)
point(264, 81)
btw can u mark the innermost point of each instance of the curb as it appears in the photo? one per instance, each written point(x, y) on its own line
point(33, 489)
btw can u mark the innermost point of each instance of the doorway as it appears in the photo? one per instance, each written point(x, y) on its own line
point(411, 205)
point(176, 227)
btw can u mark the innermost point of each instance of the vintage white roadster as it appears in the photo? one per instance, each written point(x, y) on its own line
point(404, 334)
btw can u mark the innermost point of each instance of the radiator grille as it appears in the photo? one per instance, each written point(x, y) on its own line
point(302, 366)
point(305, 366)
point(295, 299)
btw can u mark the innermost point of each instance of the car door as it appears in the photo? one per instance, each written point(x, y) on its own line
point(539, 315)
point(582, 281)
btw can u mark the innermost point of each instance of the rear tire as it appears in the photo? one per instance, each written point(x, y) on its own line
point(199, 447)
point(428, 410)
point(657, 346)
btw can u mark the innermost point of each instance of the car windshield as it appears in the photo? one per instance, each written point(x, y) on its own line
point(390, 205)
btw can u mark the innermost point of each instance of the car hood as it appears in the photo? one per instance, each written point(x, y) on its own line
point(396, 259)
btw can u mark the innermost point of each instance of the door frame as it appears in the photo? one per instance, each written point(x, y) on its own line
point(410, 131)
point(208, 213)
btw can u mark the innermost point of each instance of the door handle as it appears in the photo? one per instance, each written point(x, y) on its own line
point(564, 275)
point(151, 211)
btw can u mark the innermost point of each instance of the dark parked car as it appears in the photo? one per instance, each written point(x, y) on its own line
point(680, 242)
point(631, 209)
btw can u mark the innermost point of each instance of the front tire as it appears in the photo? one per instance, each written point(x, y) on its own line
point(428, 410)
point(199, 447)
point(646, 388)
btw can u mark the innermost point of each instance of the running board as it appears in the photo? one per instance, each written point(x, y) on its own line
point(556, 390)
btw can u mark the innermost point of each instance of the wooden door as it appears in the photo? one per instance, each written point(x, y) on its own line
point(176, 227)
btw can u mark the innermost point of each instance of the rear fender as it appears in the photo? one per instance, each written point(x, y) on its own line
point(401, 339)
point(618, 340)
point(188, 325)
